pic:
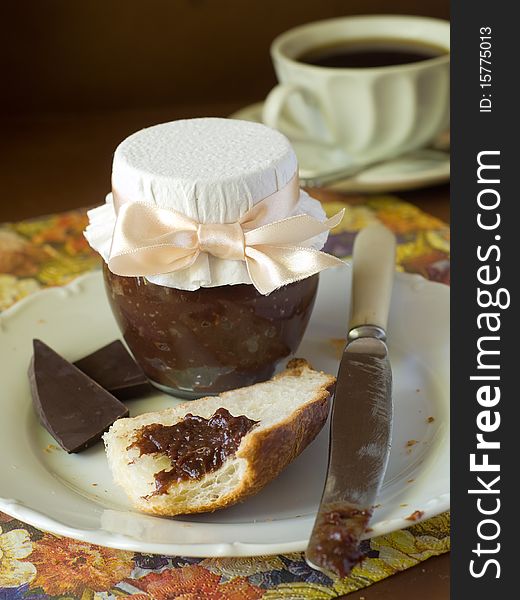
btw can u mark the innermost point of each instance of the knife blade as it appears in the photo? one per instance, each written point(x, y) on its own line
point(361, 423)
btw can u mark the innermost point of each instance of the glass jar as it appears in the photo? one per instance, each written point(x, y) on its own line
point(203, 342)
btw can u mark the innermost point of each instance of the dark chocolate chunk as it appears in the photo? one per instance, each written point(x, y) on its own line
point(73, 408)
point(115, 370)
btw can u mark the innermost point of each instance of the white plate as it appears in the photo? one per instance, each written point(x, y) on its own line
point(73, 495)
point(417, 169)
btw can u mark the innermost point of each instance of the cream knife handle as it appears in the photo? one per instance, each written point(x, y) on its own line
point(373, 266)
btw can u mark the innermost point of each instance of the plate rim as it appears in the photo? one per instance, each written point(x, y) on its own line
point(120, 541)
point(103, 537)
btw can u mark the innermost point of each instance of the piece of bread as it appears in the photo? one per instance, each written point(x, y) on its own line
point(291, 409)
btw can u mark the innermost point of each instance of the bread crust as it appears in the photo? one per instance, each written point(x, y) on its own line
point(267, 452)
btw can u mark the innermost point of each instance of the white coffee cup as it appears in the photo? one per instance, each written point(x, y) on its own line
point(369, 113)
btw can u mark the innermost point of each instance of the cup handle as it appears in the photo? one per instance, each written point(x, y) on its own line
point(275, 103)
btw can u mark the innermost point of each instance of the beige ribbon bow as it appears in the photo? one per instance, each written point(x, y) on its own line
point(149, 240)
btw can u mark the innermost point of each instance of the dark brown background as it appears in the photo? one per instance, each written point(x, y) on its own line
point(77, 55)
point(78, 76)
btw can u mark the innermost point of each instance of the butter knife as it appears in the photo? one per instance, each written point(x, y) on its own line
point(361, 424)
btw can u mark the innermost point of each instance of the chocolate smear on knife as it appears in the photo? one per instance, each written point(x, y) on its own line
point(115, 370)
point(73, 408)
point(338, 531)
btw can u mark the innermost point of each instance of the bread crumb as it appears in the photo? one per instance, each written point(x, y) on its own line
point(410, 481)
point(50, 448)
point(403, 505)
point(415, 516)
point(338, 344)
point(94, 484)
point(409, 445)
point(430, 419)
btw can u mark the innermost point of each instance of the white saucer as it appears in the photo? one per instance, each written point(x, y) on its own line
point(417, 169)
point(73, 495)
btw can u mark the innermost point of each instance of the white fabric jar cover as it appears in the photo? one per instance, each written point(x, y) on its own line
point(209, 171)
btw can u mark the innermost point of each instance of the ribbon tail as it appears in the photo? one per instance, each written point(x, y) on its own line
point(271, 267)
point(335, 220)
point(292, 230)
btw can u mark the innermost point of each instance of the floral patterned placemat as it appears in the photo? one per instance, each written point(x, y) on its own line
point(34, 565)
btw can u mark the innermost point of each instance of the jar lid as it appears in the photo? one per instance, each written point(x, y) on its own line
point(171, 181)
point(212, 170)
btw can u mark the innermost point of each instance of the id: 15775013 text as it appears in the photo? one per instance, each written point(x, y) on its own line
point(485, 69)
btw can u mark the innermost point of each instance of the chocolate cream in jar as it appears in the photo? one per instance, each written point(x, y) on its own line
point(211, 251)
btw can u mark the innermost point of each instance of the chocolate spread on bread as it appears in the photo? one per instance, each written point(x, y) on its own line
point(195, 445)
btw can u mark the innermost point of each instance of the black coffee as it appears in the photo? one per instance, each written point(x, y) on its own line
point(362, 54)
